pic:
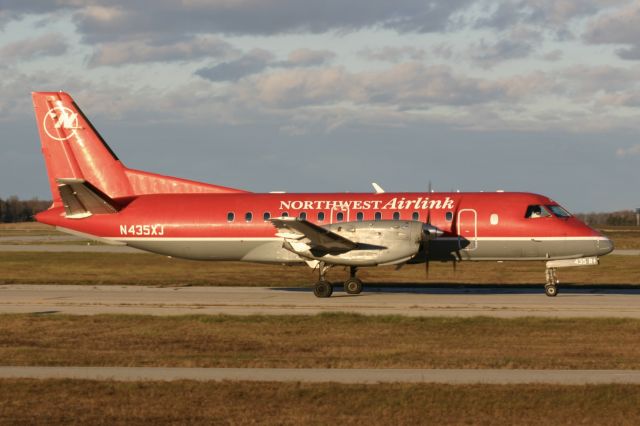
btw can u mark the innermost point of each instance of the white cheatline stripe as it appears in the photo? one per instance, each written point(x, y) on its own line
point(267, 239)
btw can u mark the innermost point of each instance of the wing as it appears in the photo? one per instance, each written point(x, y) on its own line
point(291, 228)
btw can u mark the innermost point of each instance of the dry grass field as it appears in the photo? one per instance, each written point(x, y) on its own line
point(27, 228)
point(624, 237)
point(155, 270)
point(328, 340)
point(87, 402)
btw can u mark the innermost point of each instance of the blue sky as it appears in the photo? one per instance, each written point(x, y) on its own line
point(523, 95)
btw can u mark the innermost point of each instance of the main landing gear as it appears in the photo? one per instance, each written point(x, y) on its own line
point(551, 287)
point(353, 285)
point(324, 288)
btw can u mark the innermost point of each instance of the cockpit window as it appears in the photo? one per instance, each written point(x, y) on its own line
point(558, 211)
point(536, 211)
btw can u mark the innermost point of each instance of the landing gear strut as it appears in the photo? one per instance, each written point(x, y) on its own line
point(323, 288)
point(353, 285)
point(551, 287)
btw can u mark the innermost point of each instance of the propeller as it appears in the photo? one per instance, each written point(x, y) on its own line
point(454, 230)
point(426, 236)
point(428, 232)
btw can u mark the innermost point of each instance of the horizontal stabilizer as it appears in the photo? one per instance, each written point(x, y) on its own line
point(81, 199)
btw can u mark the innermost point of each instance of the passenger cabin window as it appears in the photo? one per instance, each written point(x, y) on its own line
point(378, 216)
point(285, 214)
point(415, 216)
point(448, 216)
point(559, 211)
point(536, 212)
point(303, 216)
point(320, 216)
point(266, 216)
point(230, 216)
point(248, 216)
point(360, 216)
point(340, 217)
point(396, 215)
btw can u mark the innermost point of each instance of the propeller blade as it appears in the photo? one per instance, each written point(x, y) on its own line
point(426, 268)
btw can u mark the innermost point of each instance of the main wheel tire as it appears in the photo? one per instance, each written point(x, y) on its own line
point(550, 290)
point(353, 286)
point(322, 289)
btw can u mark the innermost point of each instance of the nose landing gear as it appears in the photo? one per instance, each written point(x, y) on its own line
point(551, 287)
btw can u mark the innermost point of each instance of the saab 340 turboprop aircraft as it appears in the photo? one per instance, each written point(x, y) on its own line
point(96, 196)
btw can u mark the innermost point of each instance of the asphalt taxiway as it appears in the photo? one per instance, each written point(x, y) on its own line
point(421, 301)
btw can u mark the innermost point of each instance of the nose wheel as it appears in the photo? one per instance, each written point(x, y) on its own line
point(551, 287)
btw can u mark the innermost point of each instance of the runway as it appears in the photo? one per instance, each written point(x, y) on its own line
point(324, 375)
point(424, 301)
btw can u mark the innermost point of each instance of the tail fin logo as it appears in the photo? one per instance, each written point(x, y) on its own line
point(60, 118)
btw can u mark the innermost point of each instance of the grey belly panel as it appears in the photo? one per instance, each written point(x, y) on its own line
point(514, 250)
point(245, 250)
point(271, 251)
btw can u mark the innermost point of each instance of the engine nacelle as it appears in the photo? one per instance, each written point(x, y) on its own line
point(383, 242)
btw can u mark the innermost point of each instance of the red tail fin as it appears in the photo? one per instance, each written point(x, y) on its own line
point(73, 149)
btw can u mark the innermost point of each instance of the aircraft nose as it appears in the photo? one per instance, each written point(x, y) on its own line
point(605, 246)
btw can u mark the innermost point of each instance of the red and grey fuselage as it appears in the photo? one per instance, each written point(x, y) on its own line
point(475, 226)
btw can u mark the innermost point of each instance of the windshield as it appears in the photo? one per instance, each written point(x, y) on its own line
point(536, 211)
point(559, 211)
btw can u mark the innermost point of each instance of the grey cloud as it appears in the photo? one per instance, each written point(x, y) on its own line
point(394, 54)
point(552, 14)
point(553, 56)
point(520, 42)
point(488, 55)
point(51, 44)
point(258, 60)
point(251, 63)
point(140, 51)
point(633, 53)
point(621, 26)
point(101, 20)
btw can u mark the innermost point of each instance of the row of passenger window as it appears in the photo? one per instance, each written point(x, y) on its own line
point(248, 217)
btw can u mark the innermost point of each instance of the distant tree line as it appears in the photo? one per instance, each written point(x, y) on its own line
point(621, 218)
point(14, 209)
